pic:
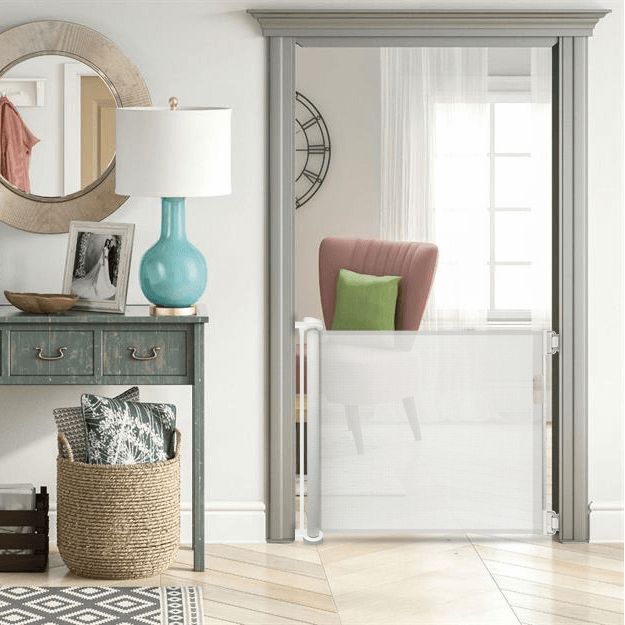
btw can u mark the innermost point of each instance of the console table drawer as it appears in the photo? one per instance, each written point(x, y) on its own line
point(145, 353)
point(50, 353)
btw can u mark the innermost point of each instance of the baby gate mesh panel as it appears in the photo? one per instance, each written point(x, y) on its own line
point(432, 431)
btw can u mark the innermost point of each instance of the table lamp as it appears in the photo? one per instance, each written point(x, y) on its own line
point(172, 153)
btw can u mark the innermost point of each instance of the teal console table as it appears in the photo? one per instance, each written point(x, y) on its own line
point(96, 348)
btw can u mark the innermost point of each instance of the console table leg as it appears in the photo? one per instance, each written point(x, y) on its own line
point(198, 450)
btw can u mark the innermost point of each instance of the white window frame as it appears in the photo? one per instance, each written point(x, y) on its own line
point(514, 89)
point(502, 89)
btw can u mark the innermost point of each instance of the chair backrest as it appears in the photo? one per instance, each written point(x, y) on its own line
point(414, 262)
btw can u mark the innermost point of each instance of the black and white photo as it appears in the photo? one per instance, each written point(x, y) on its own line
point(98, 261)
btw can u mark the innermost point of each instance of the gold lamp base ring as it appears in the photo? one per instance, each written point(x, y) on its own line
point(160, 311)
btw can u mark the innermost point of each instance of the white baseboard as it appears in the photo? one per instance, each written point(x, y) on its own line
point(606, 521)
point(226, 522)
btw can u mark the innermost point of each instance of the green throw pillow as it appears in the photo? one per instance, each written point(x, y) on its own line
point(365, 302)
point(128, 432)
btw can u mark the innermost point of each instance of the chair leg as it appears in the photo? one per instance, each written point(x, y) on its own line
point(411, 412)
point(353, 422)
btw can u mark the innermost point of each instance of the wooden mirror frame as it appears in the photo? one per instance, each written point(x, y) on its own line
point(49, 215)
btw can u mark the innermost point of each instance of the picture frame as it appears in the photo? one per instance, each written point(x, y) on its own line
point(97, 266)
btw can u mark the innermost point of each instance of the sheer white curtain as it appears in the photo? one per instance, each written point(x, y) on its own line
point(540, 215)
point(435, 120)
point(437, 138)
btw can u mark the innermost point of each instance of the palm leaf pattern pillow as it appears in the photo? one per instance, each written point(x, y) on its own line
point(126, 432)
point(70, 422)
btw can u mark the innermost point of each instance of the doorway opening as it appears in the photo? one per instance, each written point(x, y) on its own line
point(423, 179)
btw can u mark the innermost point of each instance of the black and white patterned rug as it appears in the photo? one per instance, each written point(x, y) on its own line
point(83, 605)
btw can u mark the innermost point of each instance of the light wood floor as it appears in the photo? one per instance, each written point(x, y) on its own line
point(438, 580)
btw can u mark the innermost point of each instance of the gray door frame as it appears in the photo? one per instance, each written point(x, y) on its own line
point(566, 31)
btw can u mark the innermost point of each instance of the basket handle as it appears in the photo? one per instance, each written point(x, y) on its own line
point(64, 446)
point(177, 442)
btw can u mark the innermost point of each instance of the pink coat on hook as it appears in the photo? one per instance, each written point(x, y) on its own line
point(16, 143)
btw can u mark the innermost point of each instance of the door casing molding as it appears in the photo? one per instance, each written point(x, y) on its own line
point(566, 32)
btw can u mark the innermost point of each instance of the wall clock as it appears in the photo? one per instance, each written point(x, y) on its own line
point(312, 149)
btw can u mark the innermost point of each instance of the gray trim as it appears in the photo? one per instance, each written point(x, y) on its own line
point(572, 317)
point(432, 23)
point(426, 41)
point(570, 204)
point(581, 530)
point(281, 509)
point(555, 275)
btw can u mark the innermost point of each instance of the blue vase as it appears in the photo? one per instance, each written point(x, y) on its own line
point(173, 271)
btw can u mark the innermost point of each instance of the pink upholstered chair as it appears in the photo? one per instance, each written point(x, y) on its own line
point(414, 262)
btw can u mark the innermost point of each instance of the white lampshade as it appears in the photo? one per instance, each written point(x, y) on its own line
point(172, 153)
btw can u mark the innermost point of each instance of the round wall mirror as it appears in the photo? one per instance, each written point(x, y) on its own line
point(60, 84)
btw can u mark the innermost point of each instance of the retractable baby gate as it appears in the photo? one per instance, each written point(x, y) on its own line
point(309, 453)
point(428, 431)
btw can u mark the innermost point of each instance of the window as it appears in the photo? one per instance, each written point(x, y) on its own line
point(510, 206)
point(492, 206)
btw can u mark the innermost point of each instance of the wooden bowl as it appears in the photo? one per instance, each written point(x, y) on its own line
point(42, 303)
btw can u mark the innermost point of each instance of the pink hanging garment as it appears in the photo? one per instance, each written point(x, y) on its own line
point(16, 142)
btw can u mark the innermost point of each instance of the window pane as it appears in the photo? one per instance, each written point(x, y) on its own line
point(461, 182)
point(460, 142)
point(513, 236)
point(513, 182)
point(461, 128)
point(462, 276)
point(513, 287)
point(513, 132)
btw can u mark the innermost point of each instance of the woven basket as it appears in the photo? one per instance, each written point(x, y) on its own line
point(118, 521)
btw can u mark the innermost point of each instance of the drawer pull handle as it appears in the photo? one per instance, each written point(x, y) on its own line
point(153, 356)
point(41, 356)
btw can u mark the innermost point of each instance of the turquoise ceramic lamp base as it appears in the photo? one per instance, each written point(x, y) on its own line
point(173, 271)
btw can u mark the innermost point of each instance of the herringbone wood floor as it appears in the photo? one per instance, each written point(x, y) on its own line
point(437, 580)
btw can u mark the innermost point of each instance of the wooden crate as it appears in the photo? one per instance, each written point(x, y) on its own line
point(37, 542)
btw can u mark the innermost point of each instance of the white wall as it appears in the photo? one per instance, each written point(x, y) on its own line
point(204, 53)
point(605, 250)
point(212, 53)
point(345, 86)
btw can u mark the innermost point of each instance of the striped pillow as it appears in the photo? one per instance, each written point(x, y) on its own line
point(70, 421)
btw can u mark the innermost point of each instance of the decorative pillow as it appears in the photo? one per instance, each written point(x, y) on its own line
point(70, 422)
point(365, 302)
point(126, 432)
